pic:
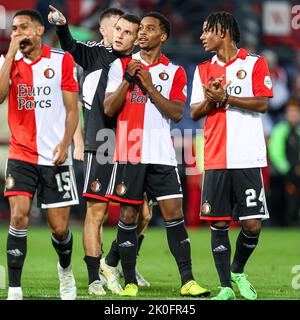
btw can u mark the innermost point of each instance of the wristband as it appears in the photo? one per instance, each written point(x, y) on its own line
point(128, 77)
point(224, 102)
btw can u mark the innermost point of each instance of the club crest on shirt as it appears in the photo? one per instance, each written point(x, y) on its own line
point(206, 208)
point(10, 182)
point(163, 76)
point(121, 189)
point(96, 186)
point(268, 82)
point(241, 74)
point(49, 73)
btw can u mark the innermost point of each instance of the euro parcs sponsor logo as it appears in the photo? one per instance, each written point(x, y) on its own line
point(2, 18)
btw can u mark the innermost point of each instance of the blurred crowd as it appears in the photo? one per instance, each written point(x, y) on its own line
point(281, 123)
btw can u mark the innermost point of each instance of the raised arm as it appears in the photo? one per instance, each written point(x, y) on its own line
point(84, 54)
point(62, 29)
point(6, 65)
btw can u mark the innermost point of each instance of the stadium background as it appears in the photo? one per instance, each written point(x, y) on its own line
point(265, 25)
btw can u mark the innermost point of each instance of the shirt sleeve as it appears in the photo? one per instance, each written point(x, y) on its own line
point(179, 86)
point(69, 78)
point(261, 80)
point(197, 89)
point(115, 76)
point(83, 53)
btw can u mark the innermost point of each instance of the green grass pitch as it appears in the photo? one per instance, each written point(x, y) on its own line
point(269, 269)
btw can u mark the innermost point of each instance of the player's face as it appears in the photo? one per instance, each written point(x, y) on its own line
point(210, 39)
point(23, 25)
point(124, 36)
point(150, 34)
point(108, 25)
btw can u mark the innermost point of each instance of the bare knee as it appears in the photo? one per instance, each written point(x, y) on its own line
point(60, 232)
point(19, 211)
point(97, 213)
point(171, 209)
point(129, 214)
point(58, 221)
point(19, 220)
point(220, 224)
point(177, 213)
point(252, 227)
point(19, 217)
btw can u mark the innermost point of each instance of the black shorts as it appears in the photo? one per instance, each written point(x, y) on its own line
point(97, 177)
point(55, 185)
point(233, 194)
point(130, 181)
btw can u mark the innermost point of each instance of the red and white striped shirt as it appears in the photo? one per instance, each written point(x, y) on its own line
point(37, 114)
point(234, 136)
point(143, 132)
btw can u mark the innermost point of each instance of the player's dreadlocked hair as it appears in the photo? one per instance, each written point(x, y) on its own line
point(227, 22)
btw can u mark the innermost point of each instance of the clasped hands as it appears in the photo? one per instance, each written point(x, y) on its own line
point(217, 93)
point(136, 70)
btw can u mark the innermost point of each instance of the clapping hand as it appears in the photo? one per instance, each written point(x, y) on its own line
point(215, 92)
